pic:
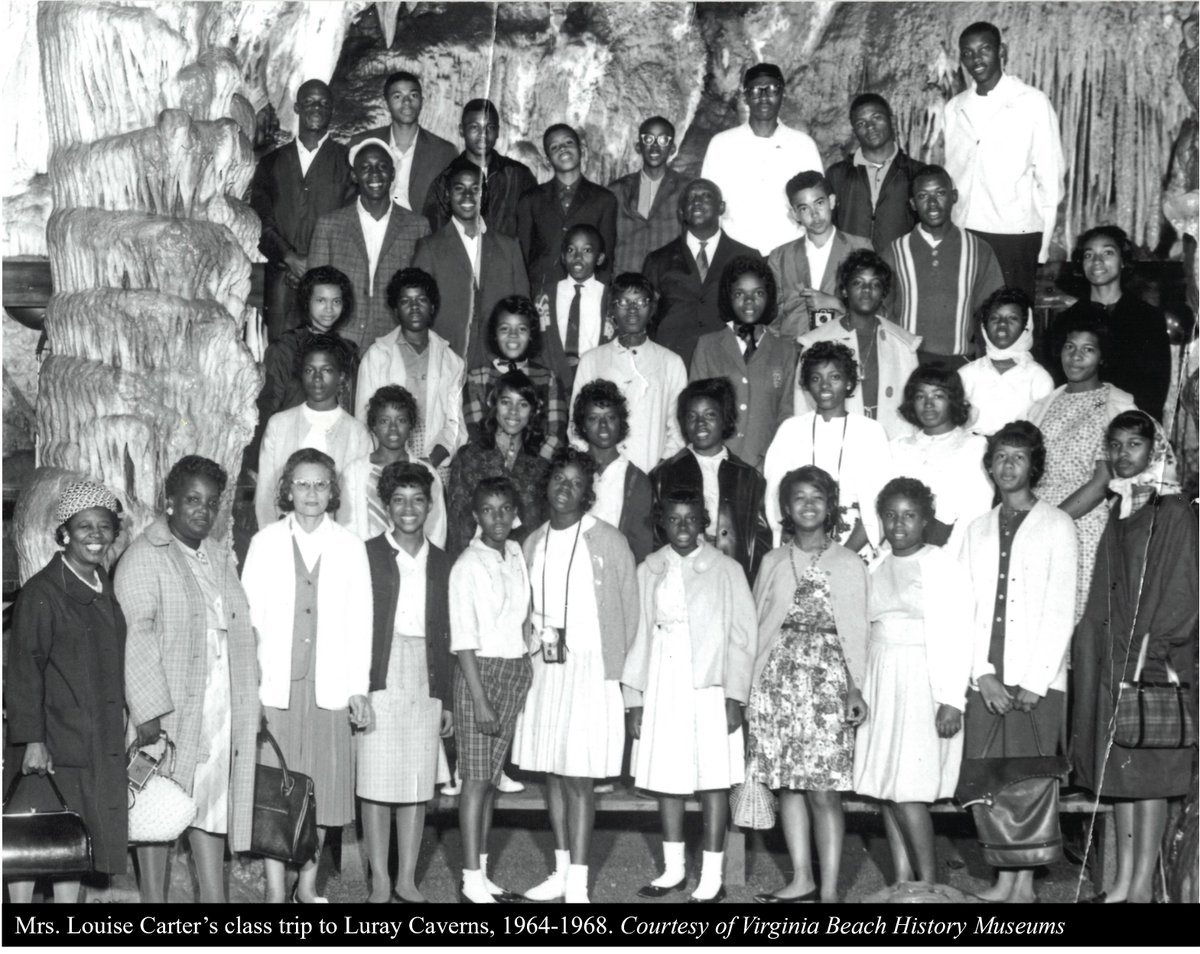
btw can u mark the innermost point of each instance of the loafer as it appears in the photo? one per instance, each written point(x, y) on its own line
point(715, 899)
point(656, 891)
point(508, 897)
point(768, 897)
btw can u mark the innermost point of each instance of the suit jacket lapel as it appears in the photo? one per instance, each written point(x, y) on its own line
point(392, 233)
point(836, 254)
point(730, 344)
point(355, 229)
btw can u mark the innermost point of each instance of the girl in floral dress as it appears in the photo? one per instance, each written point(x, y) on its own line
point(805, 703)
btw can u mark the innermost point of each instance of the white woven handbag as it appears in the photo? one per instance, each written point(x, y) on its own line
point(159, 808)
point(752, 804)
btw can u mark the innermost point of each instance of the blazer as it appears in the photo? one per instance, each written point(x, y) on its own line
point(385, 592)
point(431, 154)
point(542, 225)
point(505, 181)
point(166, 660)
point(687, 307)
point(613, 570)
point(742, 531)
point(338, 241)
point(466, 304)
point(847, 575)
point(790, 264)
point(554, 353)
point(343, 643)
point(721, 624)
point(763, 386)
point(638, 235)
point(890, 216)
point(1040, 601)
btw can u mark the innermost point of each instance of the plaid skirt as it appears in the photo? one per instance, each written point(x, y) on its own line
point(506, 682)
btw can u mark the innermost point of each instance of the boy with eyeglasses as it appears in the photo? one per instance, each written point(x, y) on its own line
point(647, 199)
point(650, 376)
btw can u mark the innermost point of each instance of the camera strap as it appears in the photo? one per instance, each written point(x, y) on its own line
point(567, 586)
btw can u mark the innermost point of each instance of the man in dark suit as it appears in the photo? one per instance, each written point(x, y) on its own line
point(504, 180)
point(293, 186)
point(547, 212)
point(418, 153)
point(369, 240)
point(474, 267)
point(686, 273)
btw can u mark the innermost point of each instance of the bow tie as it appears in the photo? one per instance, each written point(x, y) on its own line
point(746, 333)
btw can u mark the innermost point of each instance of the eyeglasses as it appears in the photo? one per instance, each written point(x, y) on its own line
point(663, 139)
point(631, 304)
point(320, 486)
point(764, 91)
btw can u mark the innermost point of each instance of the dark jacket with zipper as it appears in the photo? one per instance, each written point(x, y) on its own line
point(891, 217)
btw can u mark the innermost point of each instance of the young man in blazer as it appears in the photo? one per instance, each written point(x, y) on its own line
point(581, 298)
point(369, 240)
point(686, 273)
point(648, 199)
point(418, 153)
point(293, 186)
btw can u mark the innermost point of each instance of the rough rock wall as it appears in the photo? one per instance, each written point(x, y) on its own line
point(149, 246)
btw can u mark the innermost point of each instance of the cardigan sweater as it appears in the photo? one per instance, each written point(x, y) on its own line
point(385, 591)
point(613, 572)
point(1040, 599)
point(847, 575)
point(721, 624)
point(343, 642)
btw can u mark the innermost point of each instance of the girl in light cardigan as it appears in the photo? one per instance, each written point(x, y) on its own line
point(812, 619)
point(309, 587)
point(909, 751)
point(687, 677)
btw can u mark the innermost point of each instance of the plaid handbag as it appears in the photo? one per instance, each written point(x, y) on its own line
point(1154, 715)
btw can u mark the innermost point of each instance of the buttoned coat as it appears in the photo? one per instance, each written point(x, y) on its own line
point(542, 225)
point(431, 154)
point(166, 659)
point(638, 235)
point(338, 241)
point(687, 307)
point(790, 264)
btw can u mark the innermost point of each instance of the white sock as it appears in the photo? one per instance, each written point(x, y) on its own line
point(577, 885)
point(556, 885)
point(710, 875)
point(673, 865)
point(474, 888)
point(488, 883)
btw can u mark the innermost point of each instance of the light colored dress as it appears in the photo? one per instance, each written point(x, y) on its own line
point(898, 755)
point(798, 735)
point(573, 722)
point(685, 743)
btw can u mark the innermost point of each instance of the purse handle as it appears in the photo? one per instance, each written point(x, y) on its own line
point(12, 788)
point(1172, 675)
point(168, 754)
point(996, 723)
point(288, 781)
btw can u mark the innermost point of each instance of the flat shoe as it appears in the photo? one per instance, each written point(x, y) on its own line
point(768, 897)
point(508, 897)
point(715, 899)
point(398, 898)
point(657, 891)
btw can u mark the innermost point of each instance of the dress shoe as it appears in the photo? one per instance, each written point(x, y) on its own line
point(296, 899)
point(768, 897)
point(715, 899)
point(508, 897)
point(398, 898)
point(657, 891)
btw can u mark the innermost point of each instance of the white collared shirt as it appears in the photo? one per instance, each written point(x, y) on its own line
point(876, 171)
point(473, 244)
point(710, 245)
point(410, 607)
point(310, 544)
point(404, 163)
point(929, 239)
point(591, 318)
point(489, 600)
point(374, 231)
point(818, 257)
point(709, 469)
point(307, 156)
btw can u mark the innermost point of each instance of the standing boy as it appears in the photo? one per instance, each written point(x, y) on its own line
point(474, 266)
point(806, 268)
point(574, 311)
point(647, 200)
point(546, 212)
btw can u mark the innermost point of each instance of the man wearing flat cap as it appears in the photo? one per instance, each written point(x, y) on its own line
point(752, 163)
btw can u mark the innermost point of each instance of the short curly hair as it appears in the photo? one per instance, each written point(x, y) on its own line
point(1020, 435)
point(518, 383)
point(829, 352)
point(1081, 322)
point(521, 307)
point(404, 473)
point(494, 487)
point(568, 456)
point(941, 376)
point(717, 390)
point(861, 260)
point(307, 455)
point(343, 353)
point(745, 265)
point(815, 477)
point(911, 489)
point(1119, 238)
point(682, 495)
point(413, 278)
point(391, 395)
point(600, 393)
point(193, 465)
point(324, 275)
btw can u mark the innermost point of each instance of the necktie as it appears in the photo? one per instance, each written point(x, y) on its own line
point(746, 333)
point(571, 346)
point(702, 261)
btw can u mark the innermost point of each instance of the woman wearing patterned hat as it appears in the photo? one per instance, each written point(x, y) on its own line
point(65, 687)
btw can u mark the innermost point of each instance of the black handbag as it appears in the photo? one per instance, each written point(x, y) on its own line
point(41, 844)
point(285, 811)
point(1015, 804)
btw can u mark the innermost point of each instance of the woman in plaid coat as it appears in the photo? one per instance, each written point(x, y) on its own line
point(191, 670)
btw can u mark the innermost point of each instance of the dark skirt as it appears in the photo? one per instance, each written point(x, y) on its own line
point(506, 682)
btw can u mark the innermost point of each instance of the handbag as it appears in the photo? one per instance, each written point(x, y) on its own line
point(159, 808)
point(752, 804)
point(1015, 804)
point(285, 811)
point(1154, 715)
point(40, 844)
